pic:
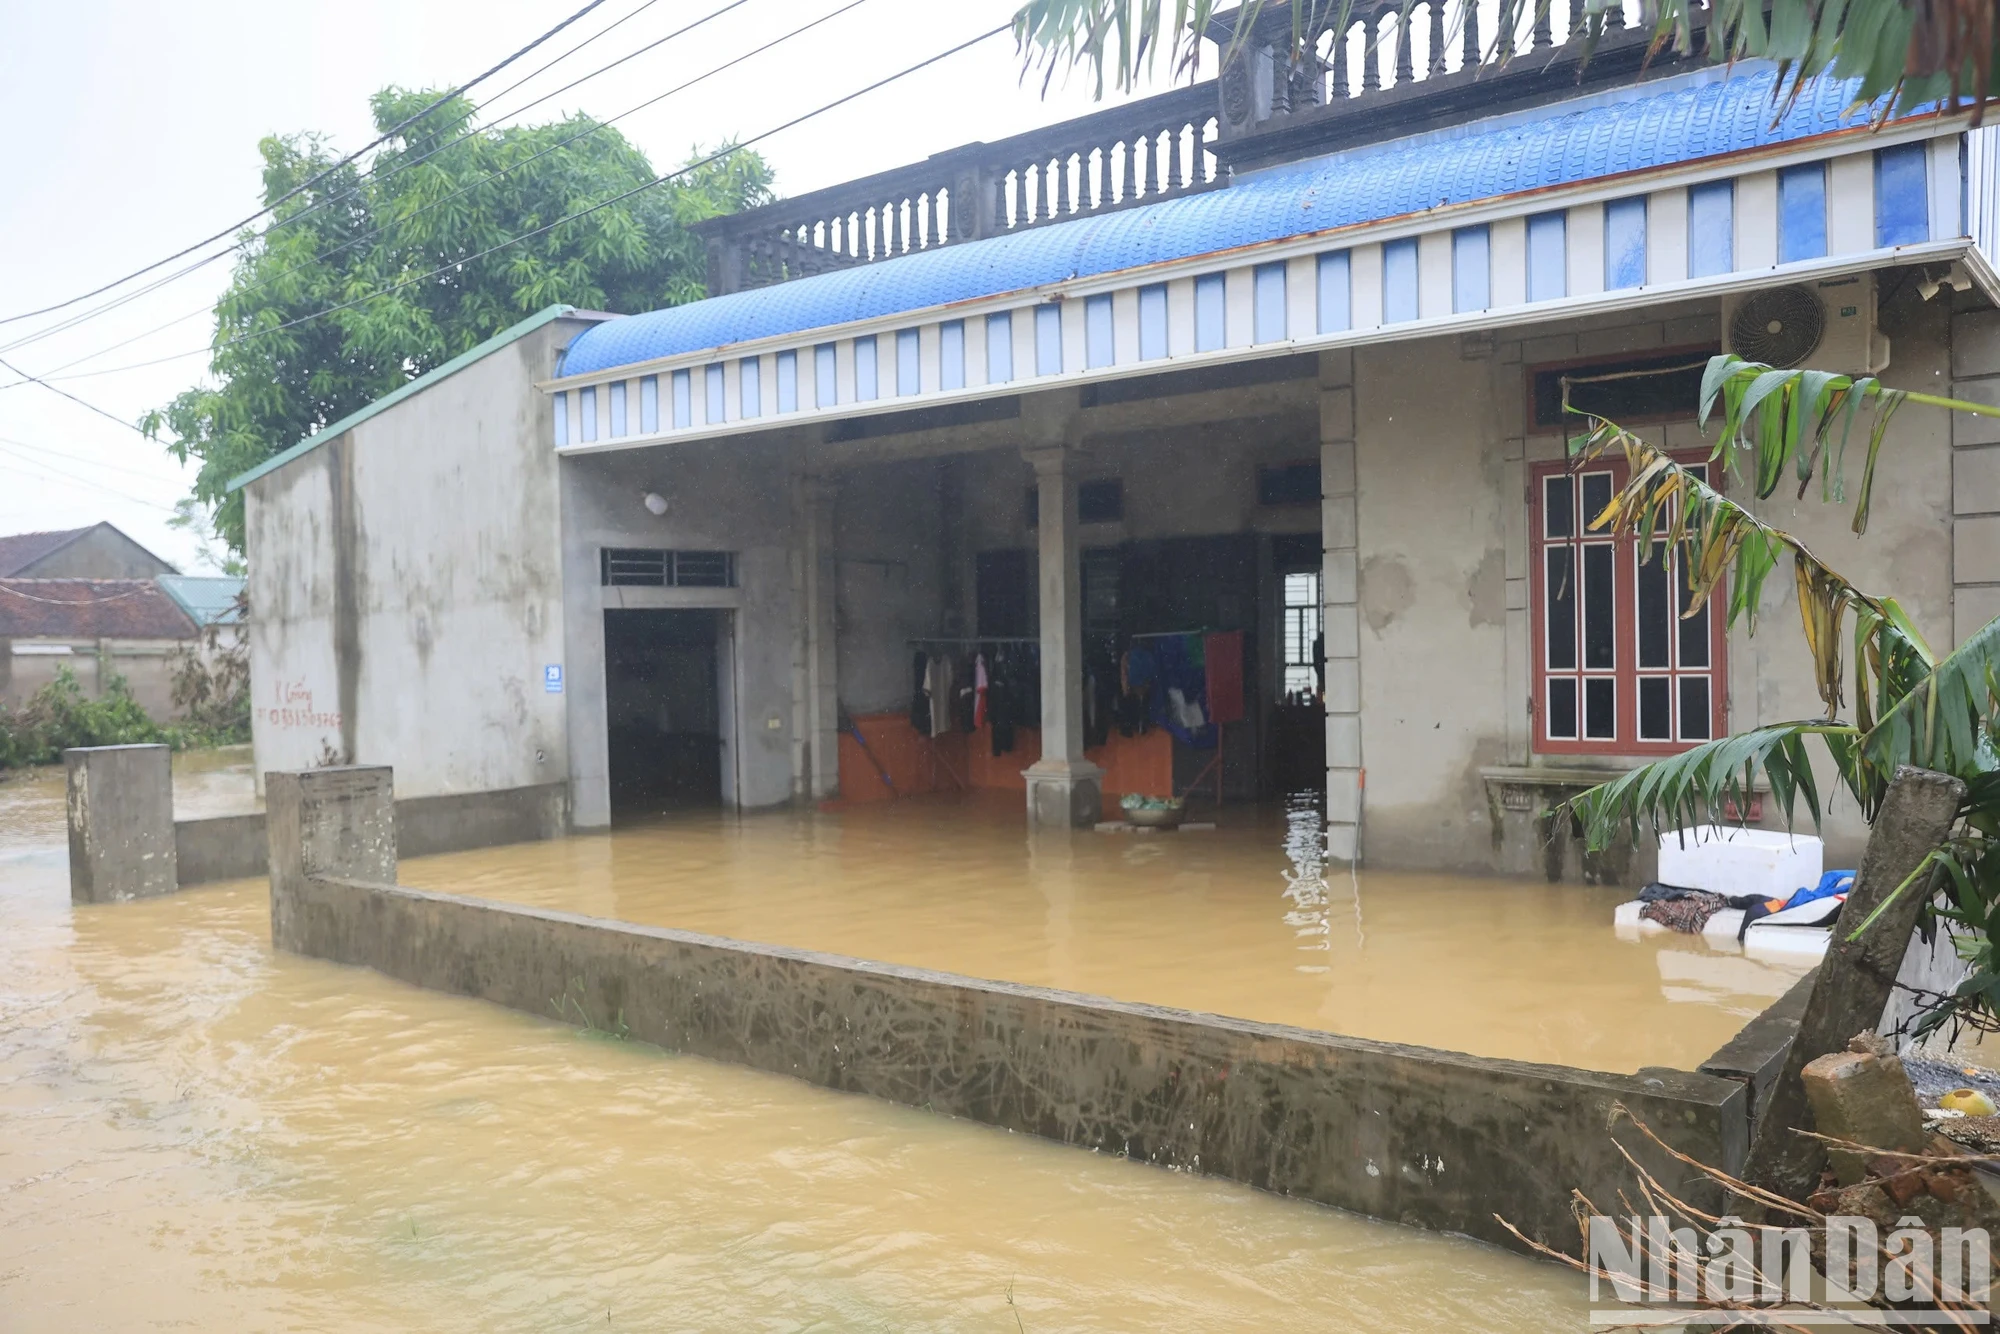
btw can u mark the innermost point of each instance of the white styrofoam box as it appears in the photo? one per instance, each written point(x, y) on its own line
point(1728, 860)
point(1627, 914)
point(1791, 942)
point(1724, 923)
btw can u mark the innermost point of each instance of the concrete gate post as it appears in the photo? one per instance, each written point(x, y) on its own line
point(339, 823)
point(121, 823)
point(1064, 789)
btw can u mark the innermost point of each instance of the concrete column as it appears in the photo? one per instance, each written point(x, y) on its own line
point(121, 823)
point(1975, 474)
point(1064, 789)
point(821, 568)
point(1340, 610)
point(337, 823)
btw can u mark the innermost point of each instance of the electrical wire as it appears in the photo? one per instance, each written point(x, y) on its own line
point(400, 165)
point(460, 263)
point(79, 481)
point(403, 220)
point(108, 416)
point(85, 459)
point(383, 138)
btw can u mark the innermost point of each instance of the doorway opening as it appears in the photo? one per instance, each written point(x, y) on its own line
point(1298, 719)
point(663, 710)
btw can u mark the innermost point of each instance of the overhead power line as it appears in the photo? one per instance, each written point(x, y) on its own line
point(461, 262)
point(401, 165)
point(75, 480)
point(383, 138)
point(108, 416)
point(471, 185)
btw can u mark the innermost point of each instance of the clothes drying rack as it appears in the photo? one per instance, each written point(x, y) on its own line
point(1213, 767)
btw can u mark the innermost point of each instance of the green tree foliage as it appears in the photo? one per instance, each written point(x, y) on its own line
point(423, 202)
point(58, 716)
point(1916, 51)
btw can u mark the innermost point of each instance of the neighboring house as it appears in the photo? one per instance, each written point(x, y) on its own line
point(97, 628)
point(93, 600)
point(207, 599)
point(1280, 354)
point(100, 551)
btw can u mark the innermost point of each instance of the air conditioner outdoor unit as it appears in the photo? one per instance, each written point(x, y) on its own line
point(1828, 325)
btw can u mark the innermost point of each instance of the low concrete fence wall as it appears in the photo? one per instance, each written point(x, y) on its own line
point(125, 843)
point(1431, 1138)
point(221, 847)
point(233, 847)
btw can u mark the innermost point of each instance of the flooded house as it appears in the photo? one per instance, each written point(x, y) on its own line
point(1207, 446)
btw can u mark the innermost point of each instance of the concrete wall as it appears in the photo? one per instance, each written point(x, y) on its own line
point(910, 532)
point(1428, 1138)
point(729, 496)
point(235, 847)
point(408, 583)
point(26, 665)
point(1975, 472)
point(1442, 449)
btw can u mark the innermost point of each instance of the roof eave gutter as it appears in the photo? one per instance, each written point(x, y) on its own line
point(1471, 212)
point(1933, 252)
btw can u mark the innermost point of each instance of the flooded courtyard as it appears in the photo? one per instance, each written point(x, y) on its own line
point(202, 1133)
point(1242, 920)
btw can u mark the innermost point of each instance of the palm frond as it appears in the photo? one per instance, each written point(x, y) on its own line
point(1700, 786)
point(1941, 718)
point(1664, 503)
point(1800, 421)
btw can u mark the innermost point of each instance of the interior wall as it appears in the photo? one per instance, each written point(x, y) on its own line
point(901, 578)
point(895, 570)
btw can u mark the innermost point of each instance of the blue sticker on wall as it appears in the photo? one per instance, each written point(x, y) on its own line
point(552, 678)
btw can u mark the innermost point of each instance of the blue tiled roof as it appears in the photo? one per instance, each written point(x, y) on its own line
point(1687, 122)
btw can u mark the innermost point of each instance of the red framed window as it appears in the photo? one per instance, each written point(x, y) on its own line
point(1618, 669)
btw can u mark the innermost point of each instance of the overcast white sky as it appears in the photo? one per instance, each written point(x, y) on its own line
point(133, 131)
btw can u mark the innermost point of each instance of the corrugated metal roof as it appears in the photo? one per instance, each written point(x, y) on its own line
point(90, 609)
point(1694, 119)
point(207, 599)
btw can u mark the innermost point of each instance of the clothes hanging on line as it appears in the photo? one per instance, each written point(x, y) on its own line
point(995, 686)
point(1180, 703)
point(938, 684)
point(1013, 693)
point(920, 694)
point(1137, 673)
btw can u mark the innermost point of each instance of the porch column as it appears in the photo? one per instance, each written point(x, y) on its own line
point(1064, 789)
point(816, 707)
point(1340, 613)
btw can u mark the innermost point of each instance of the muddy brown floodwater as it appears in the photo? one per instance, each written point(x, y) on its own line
point(197, 1133)
point(1243, 920)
